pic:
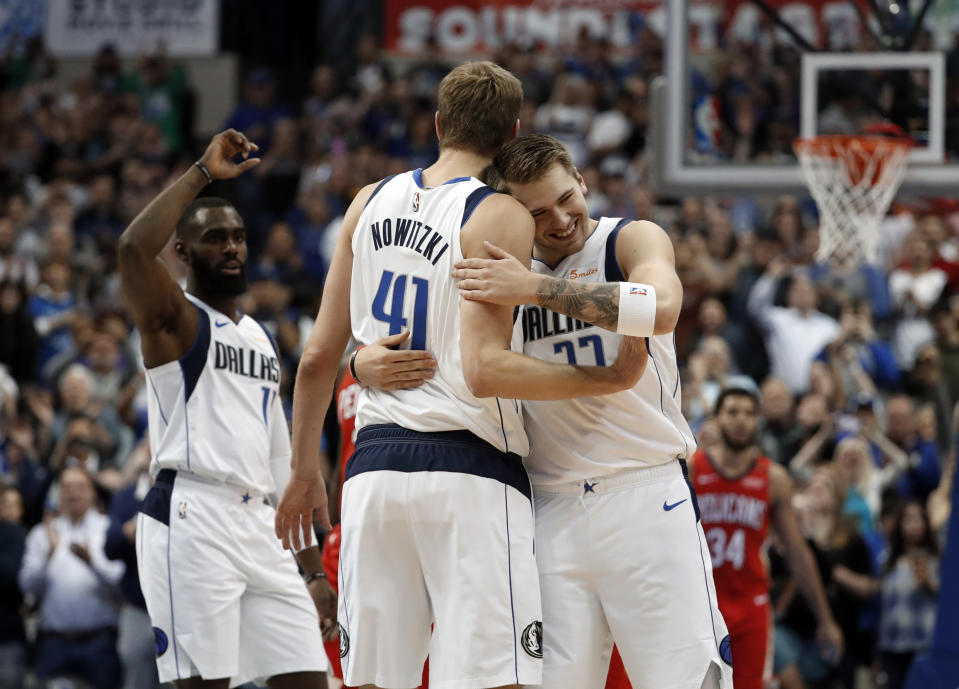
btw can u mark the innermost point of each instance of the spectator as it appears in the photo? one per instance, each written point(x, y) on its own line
point(85, 432)
point(945, 318)
point(161, 90)
point(109, 371)
point(863, 362)
point(135, 642)
point(18, 337)
point(279, 173)
point(923, 473)
point(780, 436)
point(795, 334)
point(915, 286)
point(257, 115)
point(13, 267)
point(65, 566)
point(19, 466)
point(311, 220)
point(567, 116)
point(909, 588)
point(371, 74)
point(709, 368)
point(818, 434)
point(323, 90)
point(52, 306)
point(927, 386)
point(13, 650)
point(845, 568)
point(100, 220)
point(867, 482)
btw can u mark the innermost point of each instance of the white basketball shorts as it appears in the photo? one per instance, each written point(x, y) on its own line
point(437, 529)
point(623, 559)
point(224, 598)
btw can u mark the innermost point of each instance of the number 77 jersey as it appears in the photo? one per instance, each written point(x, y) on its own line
point(404, 247)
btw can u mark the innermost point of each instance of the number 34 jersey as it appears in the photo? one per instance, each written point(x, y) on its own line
point(404, 247)
point(593, 437)
point(735, 519)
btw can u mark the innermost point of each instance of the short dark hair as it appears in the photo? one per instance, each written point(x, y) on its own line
point(528, 158)
point(738, 392)
point(188, 219)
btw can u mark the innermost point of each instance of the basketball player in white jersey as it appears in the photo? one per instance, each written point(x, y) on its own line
point(226, 602)
point(621, 554)
point(437, 524)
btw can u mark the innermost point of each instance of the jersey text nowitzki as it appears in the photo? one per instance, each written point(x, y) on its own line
point(404, 247)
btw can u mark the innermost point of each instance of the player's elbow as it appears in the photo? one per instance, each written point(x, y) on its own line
point(479, 372)
point(668, 306)
point(130, 255)
point(479, 384)
point(313, 362)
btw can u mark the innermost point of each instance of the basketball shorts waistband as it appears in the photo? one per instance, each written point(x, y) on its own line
point(621, 480)
point(227, 491)
point(389, 447)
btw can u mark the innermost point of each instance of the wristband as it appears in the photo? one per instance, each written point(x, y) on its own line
point(353, 363)
point(637, 309)
point(206, 173)
point(313, 577)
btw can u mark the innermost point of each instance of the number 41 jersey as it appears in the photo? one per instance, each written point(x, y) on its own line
point(404, 247)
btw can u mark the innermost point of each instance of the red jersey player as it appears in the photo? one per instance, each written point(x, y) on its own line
point(741, 494)
point(345, 398)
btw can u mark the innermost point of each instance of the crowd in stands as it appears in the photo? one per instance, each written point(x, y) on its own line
point(858, 365)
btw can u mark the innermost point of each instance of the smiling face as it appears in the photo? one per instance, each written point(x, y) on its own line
point(557, 203)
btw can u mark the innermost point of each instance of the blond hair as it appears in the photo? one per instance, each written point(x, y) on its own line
point(479, 104)
point(528, 158)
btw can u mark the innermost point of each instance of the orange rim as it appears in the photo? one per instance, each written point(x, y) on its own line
point(830, 145)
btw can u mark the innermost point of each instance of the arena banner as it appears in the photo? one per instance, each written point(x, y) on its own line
point(133, 27)
point(477, 26)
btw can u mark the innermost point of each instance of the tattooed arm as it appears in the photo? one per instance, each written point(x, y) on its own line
point(644, 253)
point(593, 302)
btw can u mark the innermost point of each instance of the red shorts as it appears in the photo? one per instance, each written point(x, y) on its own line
point(617, 679)
point(331, 563)
point(749, 637)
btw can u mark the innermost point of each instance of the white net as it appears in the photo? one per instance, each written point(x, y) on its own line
point(853, 180)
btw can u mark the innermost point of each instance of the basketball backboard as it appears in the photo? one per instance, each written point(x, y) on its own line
point(711, 48)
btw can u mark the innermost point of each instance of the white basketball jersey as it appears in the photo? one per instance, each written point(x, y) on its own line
point(215, 412)
point(589, 437)
point(404, 247)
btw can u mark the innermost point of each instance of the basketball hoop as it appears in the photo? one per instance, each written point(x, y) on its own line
point(853, 180)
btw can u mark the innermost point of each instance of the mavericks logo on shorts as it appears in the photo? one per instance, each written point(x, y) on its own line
point(344, 642)
point(532, 639)
point(161, 640)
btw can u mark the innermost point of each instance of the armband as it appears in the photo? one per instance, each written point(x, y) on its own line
point(353, 363)
point(314, 576)
point(637, 309)
point(206, 173)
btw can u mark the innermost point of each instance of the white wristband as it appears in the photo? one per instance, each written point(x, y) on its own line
point(637, 309)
